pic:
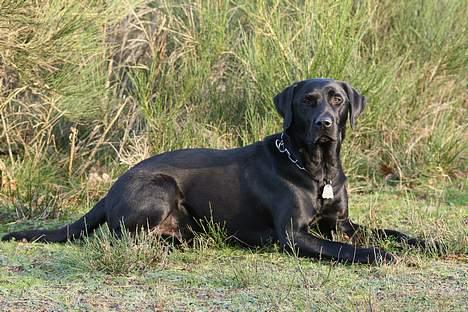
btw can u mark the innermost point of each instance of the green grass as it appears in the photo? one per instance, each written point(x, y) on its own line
point(88, 89)
point(222, 276)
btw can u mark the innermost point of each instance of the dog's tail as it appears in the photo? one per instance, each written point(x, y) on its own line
point(86, 224)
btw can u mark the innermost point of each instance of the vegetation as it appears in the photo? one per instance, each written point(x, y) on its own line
point(105, 274)
point(89, 88)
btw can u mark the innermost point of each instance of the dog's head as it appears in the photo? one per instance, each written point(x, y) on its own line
point(316, 110)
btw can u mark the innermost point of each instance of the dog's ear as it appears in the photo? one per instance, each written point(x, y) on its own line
point(283, 103)
point(357, 103)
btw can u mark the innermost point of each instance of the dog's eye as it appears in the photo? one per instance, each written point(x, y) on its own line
point(310, 99)
point(336, 100)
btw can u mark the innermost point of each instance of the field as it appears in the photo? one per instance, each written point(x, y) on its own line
point(212, 275)
point(88, 89)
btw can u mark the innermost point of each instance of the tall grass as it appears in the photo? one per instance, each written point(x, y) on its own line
point(86, 83)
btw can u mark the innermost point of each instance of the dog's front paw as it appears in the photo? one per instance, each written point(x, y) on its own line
point(374, 256)
point(384, 257)
point(431, 246)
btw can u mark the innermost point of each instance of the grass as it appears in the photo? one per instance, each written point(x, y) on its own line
point(125, 253)
point(88, 89)
point(80, 276)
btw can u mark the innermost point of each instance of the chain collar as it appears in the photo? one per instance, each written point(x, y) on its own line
point(327, 192)
point(283, 149)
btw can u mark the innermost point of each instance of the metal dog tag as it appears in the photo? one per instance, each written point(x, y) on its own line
point(327, 191)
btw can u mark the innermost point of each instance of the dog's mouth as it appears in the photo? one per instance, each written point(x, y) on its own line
point(323, 139)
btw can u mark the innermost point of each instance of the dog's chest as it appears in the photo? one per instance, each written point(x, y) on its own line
point(314, 206)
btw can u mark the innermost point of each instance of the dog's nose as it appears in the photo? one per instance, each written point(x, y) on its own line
point(325, 122)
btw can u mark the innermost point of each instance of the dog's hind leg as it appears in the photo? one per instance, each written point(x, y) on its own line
point(149, 202)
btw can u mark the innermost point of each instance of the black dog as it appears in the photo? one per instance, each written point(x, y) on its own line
point(275, 190)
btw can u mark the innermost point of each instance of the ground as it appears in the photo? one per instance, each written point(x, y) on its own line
point(217, 276)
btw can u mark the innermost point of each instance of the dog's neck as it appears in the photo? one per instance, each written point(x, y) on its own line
point(321, 160)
